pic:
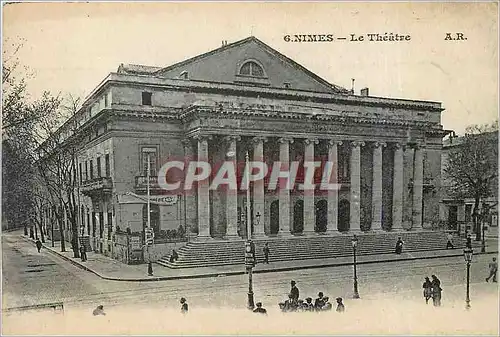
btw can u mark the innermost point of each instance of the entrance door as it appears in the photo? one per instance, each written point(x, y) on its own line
point(343, 218)
point(321, 216)
point(452, 217)
point(298, 217)
point(155, 217)
point(275, 217)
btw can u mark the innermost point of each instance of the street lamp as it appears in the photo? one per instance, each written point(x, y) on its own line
point(468, 258)
point(250, 246)
point(354, 242)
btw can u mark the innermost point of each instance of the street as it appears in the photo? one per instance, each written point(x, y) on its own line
point(33, 278)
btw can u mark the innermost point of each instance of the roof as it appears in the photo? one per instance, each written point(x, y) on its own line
point(137, 69)
point(332, 87)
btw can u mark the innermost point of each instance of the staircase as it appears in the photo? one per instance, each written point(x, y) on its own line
point(218, 252)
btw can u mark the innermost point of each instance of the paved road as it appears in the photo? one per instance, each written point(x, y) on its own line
point(33, 278)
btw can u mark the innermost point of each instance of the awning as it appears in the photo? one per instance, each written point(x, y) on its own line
point(132, 198)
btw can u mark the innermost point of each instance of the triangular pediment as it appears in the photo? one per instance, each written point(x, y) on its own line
point(239, 63)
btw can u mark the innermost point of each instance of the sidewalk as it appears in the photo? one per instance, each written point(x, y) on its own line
point(111, 269)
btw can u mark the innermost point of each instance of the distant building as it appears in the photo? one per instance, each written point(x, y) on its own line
point(456, 213)
point(246, 96)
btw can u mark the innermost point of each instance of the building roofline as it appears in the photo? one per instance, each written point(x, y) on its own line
point(180, 83)
point(269, 49)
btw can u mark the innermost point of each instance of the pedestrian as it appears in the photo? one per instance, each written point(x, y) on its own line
point(449, 243)
point(436, 291)
point(340, 305)
point(38, 244)
point(266, 253)
point(184, 306)
point(294, 291)
point(319, 302)
point(174, 257)
point(83, 253)
point(309, 306)
point(99, 311)
point(290, 304)
point(327, 306)
point(260, 309)
point(427, 290)
point(493, 270)
point(399, 245)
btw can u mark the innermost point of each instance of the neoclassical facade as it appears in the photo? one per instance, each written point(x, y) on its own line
point(247, 97)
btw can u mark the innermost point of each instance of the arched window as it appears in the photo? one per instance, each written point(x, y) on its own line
point(251, 68)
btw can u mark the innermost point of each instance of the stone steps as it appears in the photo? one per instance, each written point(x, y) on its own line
point(224, 252)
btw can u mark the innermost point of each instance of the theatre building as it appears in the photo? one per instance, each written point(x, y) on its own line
point(247, 97)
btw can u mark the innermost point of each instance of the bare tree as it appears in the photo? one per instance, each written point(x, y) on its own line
point(472, 166)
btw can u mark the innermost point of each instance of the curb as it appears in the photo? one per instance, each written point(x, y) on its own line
point(234, 273)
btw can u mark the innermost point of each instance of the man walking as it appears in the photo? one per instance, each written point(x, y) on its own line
point(294, 292)
point(449, 244)
point(493, 270)
point(38, 245)
point(266, 253)
point(83, 252)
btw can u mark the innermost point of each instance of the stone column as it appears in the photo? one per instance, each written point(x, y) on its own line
point(418, 184)
point(309, 204)
point(284, 193)
point(189, 212)
point(203, 191)
point(333, 194)
point(377, 186)
point(258, 189)
point(355, 209)
point(397, 188)
point(232, 192)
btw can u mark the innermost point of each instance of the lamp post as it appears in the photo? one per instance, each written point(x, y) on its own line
point(150, 265)
point(468, 258)
point(354, 242)
point(250, 247)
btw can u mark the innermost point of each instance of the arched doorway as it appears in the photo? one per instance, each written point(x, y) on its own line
point(321, 216)
point(343, 220)
point(274, 223)
point(298, 217)
point(155, 217)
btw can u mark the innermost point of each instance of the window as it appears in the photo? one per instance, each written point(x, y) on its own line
point(91, 170)
point(146, 98)
point(88, 223)
point(86, 170)
point(251, 68)
point(468, 213)
point(106, 101)
point(110, 224)
point(101, 225)
point(106, 165)
point(287, 85)
point(81, 173)
point(93, 224)
point(98, 167)
point(82, 213)
point(97, 131)
point(184, 75)
point(149, 152)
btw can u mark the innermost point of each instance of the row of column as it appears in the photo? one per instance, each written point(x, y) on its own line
point(309, 204)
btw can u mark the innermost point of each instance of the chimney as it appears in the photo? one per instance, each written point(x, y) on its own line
point(365, 92)
point(352, 86)
point(224, 43)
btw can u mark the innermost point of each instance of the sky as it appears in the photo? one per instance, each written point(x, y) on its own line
point(71, 47)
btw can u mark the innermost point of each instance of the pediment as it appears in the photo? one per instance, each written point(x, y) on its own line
point(249, 62)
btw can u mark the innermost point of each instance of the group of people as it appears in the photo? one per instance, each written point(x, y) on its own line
point(432, 289)
point(322, 303)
